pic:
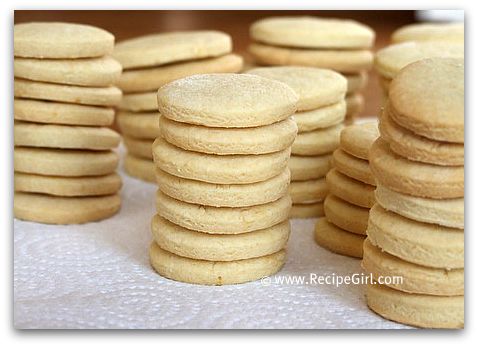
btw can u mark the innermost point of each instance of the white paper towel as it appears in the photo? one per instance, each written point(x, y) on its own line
point(97, 275)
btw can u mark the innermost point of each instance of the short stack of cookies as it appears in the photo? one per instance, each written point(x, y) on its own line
point(222, 170)
point(337, 44)
point(390, 60)
point(351, 193)
point(427, 32)
point(150, 62)
point(416, 228)
point(320, 115)
point(63, 159)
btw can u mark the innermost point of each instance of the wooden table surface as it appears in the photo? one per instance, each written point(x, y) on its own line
point(127, 24)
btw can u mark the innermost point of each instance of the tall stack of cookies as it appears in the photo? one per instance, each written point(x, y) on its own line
point(416, 228)
point(150, 62)
point(222, 170)
point(390, 60)
point(351, 186)
point(321, 112)
point(337, 44)
point(451, 32)
point(63, 158)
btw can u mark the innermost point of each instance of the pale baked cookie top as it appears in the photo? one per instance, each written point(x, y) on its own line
point(427, 97)
point(60, 40)
point(390, 60)
point(227, 100)
point(357, 139)
point(312, 32)
point(159, 49)
point(315, 87)
point(430, 32)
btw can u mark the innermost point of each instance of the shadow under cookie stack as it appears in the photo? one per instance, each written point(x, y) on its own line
point(150, 62)
point(337, 44)
point(416, 228)
point(351, 193)
point(222, 170)
point(320, 115)
point(63, 159)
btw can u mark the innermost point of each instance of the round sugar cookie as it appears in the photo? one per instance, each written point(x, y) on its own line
point(64, 162)
point(446, 212)
point(415, 278)
point(222, 141)
point(437, 113)
point(142, 80)
point(61, 113)
point(143, 125)
point(343, 61)
point(420, 243)
point(338, 240)
point(419, 148)
point(391, 59)
point(307, 210)
point(345, 215)
point(415, 178)
point(356, 81)
point(222, 220)
point(424, 311)
point(64, 136)
point(95, 96)
point(315, 87)
point(355, 104)
point(358, 138)
point(159, 49)
point(384, 83)
point(317, 142)
point(60, 40)
point(353, 167)
point(64, 210)
point(139, 102)
point(139, 147)
point(304, 168)
point(312, 32)
point(140, 168)
point(196, 245)
point(350, 190)
point(67, 186)
point(227, 100)
point(221, 169)
point(323, 117)
point(310, 190)
point(454, 32)
point(92, 72)
point(223, 195)
point(215, 273)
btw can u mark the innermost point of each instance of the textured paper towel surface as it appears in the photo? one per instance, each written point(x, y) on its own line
point(97, 275)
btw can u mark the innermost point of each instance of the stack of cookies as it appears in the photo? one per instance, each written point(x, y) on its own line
point(416, 228)
point(321, 112)
point(337, 44)
point(150, 62)
point(351, 196)
point(390, 60)
point(63, 158)
point(222, 170)
point(452, 32)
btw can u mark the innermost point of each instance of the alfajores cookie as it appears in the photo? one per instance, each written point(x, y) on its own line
point(195, 245)
point(216, 273)
point(222, 220)
point(60, 40)
point(218, 100)
point(64, 136)
point(415, 178)
point(225, 195)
